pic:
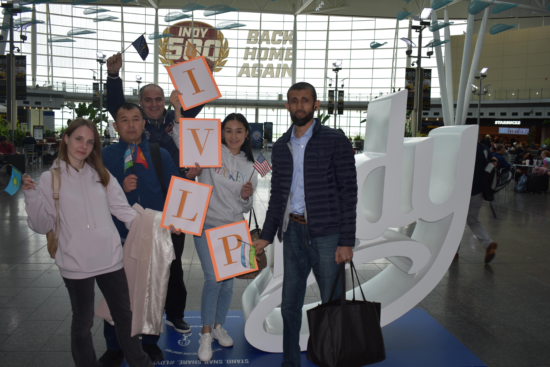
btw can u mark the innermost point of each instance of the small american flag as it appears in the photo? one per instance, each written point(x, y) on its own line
point(262, 165)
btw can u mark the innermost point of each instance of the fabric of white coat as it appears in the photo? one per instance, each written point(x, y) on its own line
point(148, 254)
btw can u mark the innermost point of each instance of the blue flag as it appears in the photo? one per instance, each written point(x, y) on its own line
point(15, 181)
point(141, 47)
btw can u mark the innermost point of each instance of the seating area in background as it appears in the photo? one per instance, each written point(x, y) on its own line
point(30, 152)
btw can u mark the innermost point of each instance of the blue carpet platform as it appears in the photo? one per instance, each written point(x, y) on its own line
point(416, 339)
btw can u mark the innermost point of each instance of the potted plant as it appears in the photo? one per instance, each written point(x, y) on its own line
point(322, 117)
point(358, 142)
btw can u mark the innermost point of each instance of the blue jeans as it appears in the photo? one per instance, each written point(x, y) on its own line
point(301, 254)
point(216, 296)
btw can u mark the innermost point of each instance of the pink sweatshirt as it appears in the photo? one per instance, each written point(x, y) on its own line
point(89, 243)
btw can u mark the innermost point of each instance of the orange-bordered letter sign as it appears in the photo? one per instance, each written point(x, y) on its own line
point(200, 142)
point(186, 205)
point(194, 80)
point(231, 250)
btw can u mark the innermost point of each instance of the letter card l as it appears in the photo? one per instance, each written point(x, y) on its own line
point(186, 205)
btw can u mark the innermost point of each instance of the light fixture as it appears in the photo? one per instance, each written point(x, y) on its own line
point(410, 45)
point(320, 4)
point(474, 86)
point(425, 14)
point(100, 55)
point(329, 81)
point(138, 78)
point(484, 71)
point(337, 64)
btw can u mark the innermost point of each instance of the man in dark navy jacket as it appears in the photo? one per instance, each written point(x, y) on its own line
point(142, 186)
point(160, 124)
point(312, 209)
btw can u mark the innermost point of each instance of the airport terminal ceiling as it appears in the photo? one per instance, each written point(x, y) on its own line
point(355, 8)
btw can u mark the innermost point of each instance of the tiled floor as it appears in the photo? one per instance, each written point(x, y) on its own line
point(501, 311)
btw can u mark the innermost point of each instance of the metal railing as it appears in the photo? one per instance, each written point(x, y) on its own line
point(502, 94)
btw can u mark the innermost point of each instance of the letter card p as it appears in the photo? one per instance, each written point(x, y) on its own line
point(231, 250)
point(195, 82)
point(201, 142)
point(186, 205)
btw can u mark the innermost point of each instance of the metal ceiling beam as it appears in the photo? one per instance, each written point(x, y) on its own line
point(303, 7)
point(327, 10)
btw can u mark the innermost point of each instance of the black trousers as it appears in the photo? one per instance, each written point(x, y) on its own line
point(176, 298)
point(114, 287)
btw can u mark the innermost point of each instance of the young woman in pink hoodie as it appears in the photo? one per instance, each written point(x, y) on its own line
point(89, 247)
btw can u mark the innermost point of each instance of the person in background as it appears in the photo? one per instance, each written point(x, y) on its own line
point(30, 140)
point(486, 141)
point(141, 185)
point(234, 184)
point(476, 201)
point(89, 248)
point(313, 205)
point(499, 155)
point(6, 147)
point(521, 159)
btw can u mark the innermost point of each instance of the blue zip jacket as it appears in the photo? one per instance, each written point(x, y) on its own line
point(149, 193)
point(330, 186)
point(155, 134)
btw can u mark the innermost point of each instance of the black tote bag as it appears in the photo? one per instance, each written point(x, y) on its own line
point(345, 333)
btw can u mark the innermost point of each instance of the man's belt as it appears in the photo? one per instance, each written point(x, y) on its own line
point(298, 218)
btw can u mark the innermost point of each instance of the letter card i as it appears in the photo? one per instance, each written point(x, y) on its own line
point(186, 205)
point(194, 80)
point(231, 250)
point(201, 142)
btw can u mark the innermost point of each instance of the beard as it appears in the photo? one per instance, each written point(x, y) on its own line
point(301, 121)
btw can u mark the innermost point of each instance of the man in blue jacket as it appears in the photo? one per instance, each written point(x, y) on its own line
point(160, 123)
point(499, 155)
point(312, 209)
point(142, 185)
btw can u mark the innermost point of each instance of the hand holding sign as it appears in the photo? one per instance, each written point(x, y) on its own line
point(194, 80)
point(230, 250)
point(201, 140)
point(186, 205)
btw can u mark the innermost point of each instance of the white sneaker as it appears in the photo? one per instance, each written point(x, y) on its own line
point(221, 336)
point(205, 348)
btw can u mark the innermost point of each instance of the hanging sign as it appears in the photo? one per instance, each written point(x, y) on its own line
point(202, 139)
point(331, 101)
point(340, 102)
point(426, 89)
point(3, 76)
point(194, 80)
point(20, 77)
point(231, 250)
point(186, 205)
point(410, 76)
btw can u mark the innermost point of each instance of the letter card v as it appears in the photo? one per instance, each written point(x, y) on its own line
point(200, 142)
